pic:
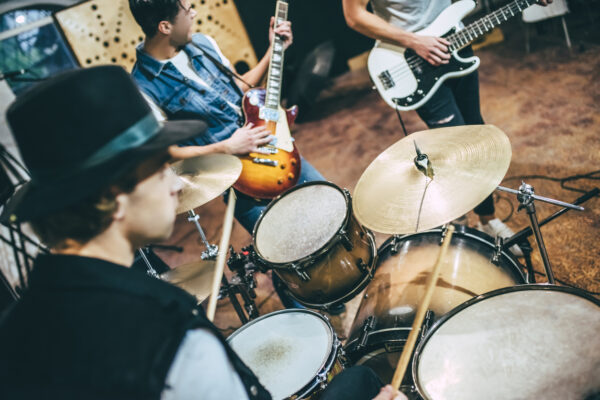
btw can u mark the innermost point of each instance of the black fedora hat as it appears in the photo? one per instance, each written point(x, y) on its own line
point(78, 132)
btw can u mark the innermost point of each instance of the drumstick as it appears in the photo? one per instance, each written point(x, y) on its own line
point(421, 311)
point(223, 250)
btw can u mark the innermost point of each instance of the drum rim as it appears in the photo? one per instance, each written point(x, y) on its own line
point(322, 249)
point(333, 345)
point(462, 230)
point(498, 292)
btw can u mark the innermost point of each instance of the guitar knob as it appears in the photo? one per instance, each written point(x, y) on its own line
point(282, 166)
point(291, 176)
point(280, 181)
point(293, 161)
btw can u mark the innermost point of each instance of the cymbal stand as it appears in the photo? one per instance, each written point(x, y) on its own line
point(151, 271)
point(526, 198)
point(242, 283)
point(212, 250)
point(520, 238)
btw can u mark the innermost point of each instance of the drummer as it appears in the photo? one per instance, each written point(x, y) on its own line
point(88, 327)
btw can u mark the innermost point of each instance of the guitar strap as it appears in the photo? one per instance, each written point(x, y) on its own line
point(228, 72)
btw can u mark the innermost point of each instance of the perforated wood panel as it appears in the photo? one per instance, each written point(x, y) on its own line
point(104, 31)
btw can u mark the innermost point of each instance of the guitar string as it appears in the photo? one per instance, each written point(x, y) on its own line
point(454, 39)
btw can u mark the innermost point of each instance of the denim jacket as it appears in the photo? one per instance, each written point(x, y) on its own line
point(182, 98)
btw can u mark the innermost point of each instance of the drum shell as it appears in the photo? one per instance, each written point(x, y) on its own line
point(337, 273)
point(394, 294)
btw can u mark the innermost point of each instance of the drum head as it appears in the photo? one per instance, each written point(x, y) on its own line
point(528, 342)
point(301, 222)
point(285, 349)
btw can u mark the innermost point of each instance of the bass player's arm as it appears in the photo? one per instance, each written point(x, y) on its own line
point(432, 49)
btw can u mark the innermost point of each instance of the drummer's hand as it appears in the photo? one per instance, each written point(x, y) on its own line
point(389, 393)
point(247, 139)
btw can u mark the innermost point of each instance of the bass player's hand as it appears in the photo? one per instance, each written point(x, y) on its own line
point(247, 139)
point(433, 49)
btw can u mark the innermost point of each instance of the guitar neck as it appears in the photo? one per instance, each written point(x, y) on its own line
point(476, 29)
point(273, 96)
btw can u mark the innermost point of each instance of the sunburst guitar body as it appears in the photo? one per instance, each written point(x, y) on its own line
point(266, 175)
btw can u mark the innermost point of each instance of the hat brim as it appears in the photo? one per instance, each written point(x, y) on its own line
point(35, 199)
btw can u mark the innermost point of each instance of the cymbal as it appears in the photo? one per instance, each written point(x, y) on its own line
point(195, 278)
point(205, 178)
point(468, 164)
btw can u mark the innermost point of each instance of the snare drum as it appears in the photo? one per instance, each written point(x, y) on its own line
point(472, 266)
point(524, 342)
point(294, 353)
point(313, 242)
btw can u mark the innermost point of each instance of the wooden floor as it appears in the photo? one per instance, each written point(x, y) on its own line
point(546, 102)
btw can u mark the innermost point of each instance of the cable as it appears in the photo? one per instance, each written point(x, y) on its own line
point(400, 119)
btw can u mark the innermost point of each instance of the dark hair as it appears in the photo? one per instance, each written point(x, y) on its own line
point(90, 217)
point(148, 13)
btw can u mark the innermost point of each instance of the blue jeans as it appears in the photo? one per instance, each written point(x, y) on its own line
point(456, 103)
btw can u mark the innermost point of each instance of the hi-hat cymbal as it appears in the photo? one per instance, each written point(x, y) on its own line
point(205, 178)
point(468, 164)
point(195, 278)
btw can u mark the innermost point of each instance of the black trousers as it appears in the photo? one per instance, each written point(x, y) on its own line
point(356, 383)
point(456, 103)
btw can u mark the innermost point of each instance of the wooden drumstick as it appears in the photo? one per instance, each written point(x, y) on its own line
point(223, 251)
point(421, 311)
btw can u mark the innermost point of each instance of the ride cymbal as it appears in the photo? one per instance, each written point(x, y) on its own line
point(205, 178)
point(468, 162)
point(195, 278)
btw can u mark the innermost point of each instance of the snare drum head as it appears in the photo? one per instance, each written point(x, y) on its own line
point(301, 222)
point(524, 343)
point(285, 349)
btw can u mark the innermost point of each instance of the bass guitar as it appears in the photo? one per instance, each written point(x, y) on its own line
point(267, 174)
point(407, 81)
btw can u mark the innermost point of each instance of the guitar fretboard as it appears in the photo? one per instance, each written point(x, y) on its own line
point(465, 36)
point(274, 80)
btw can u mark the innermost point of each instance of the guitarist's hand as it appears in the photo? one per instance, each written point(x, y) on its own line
point(433, 49)
point(284, 30)
point(247, 139)
point(544, 2)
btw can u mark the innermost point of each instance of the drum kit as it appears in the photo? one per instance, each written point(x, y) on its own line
point(483, 329)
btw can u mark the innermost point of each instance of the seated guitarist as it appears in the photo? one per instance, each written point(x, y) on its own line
point(456, 102)
point(173, 71)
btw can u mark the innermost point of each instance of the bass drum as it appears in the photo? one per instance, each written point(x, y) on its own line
point(294, 353)
point(524, 342)
point(384, 318)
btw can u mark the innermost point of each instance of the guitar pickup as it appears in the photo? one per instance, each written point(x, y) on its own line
point(265, 161)
point(386, 80)
point(269, 150)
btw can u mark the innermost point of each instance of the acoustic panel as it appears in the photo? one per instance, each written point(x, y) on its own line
point(104, 31)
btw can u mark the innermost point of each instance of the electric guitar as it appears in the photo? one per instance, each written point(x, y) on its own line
point(407, 81)
point(265, 176)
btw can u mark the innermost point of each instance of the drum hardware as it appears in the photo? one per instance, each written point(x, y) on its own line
point(520, 237)
point(151, 271)
point(526, 198)
point(243, 283)
point(498, 252)
point(302, 274)
point(367, 327)
point(212, 250)
point(345, 240)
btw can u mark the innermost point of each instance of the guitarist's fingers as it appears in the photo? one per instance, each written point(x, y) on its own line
point(259, 130)
point(263, 140)
point(444, 42)
point(442, 55)
point(435, 60)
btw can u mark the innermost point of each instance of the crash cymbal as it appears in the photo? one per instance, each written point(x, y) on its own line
point(195, 278)
point(205, 178)
point(468, 163)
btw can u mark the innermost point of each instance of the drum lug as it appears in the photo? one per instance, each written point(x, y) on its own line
point(361, 265)
point(368, 326)
point(395, 244)
point(343, 237)
point(322, 379)
point(444, 232)
point(302, 274)
point(497, 250)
